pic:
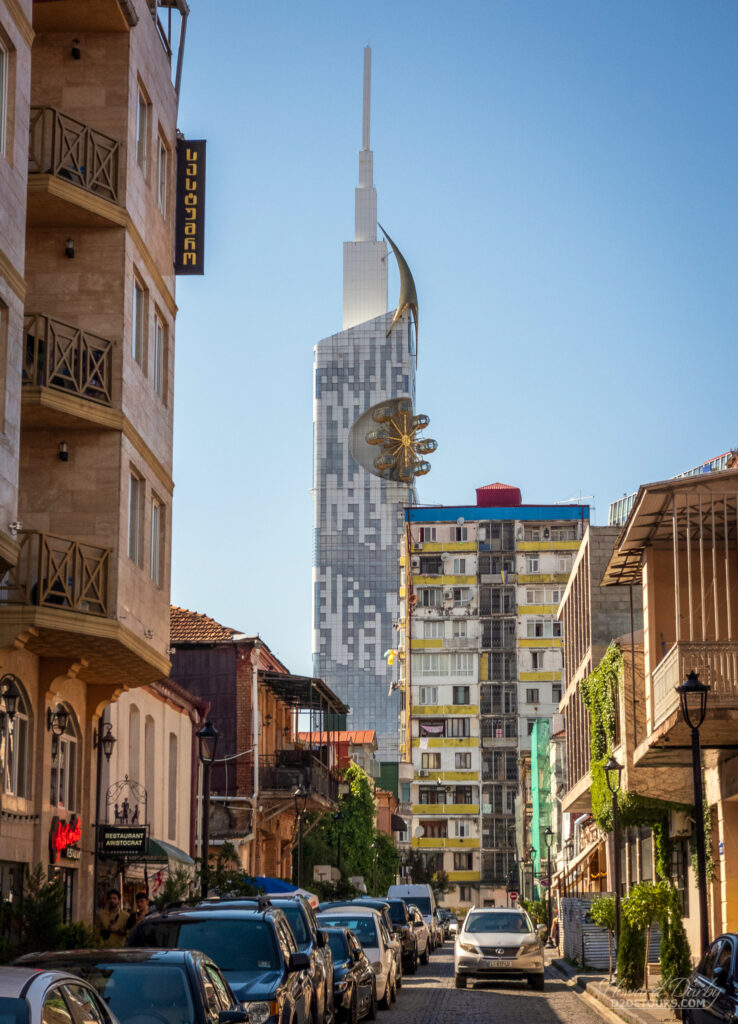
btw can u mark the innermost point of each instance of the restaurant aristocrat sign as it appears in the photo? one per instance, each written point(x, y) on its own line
point(189, 226)
point(120, 841)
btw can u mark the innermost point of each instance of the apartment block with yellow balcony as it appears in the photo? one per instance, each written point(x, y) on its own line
point(679, 548)
point(84, 595)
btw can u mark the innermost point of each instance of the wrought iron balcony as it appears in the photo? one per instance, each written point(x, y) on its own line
point(58, 572)
point(69, 149)
point(715, 662)
point(288, 769)
point(65, 358)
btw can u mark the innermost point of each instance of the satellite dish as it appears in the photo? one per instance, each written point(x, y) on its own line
point(460, 521)
point(418, 831)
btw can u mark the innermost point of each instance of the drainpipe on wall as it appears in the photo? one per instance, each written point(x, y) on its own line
point(255, 725)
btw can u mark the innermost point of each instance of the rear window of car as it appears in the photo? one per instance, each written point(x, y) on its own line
point(13, 1011)
point(363, 927)
point(496, 922)
point(423, 904)
point(398, 912)
point(338, 945)
point(234, 945)
point(296, 923)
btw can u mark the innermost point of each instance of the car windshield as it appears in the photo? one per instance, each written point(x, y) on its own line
point(398, 913)
point(338, 945)
point(496, 922)
point(140, 990)
point(363, 927)
point(423, 904)
point(234, 944)
point(13, 1011)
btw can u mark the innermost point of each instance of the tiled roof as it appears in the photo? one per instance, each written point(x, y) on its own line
point(357, 737)
point(186, 627)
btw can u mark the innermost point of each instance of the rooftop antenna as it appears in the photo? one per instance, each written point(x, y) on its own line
point(367, 98)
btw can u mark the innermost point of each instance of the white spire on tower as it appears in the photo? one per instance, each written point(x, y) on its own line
point(365, 259)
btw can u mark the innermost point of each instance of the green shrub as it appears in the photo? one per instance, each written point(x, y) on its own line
point(631, 956)
point(674, 952)
point(78, 935)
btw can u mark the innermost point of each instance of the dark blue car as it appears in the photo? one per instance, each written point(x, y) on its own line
point(354, 981)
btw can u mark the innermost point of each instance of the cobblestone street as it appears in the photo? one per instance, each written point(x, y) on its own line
point(430, 998)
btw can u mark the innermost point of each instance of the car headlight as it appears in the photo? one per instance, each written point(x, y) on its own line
point(529, 947)
point(469, 948)
point(259, 1013)
point(377, 967)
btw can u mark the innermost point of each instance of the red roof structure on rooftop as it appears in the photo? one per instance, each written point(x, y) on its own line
point(498, 496)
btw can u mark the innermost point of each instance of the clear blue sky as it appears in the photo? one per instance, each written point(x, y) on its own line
point(561, 178)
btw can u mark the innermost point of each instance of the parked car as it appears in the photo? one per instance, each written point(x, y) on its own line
point(444, 918)
point(422, 896)
point(369, 929)
point(498, 943)
point(354, 982)
point(255, 949)
point(421, 933)
point(711, 994)
point(308, 936)
point(32, 996)
point(453, 928)
point(173, 985)
point(403, 928)
point(381, 905)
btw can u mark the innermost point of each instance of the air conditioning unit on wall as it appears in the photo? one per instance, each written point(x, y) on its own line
point(414, 563)
point(680, 824)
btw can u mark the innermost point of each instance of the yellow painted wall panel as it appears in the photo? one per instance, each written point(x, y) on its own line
point(541, 641)
point(419, 645)
point(539, 677)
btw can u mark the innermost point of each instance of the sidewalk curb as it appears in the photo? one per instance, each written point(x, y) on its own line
point(593, 993)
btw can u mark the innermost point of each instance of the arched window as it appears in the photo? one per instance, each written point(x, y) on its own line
point(15, 739)
point(150, 768)
point(65, 767)
point(134, 743)
point(172, 818)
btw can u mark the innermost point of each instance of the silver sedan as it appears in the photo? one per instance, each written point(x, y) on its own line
point(29, 996)
point(498, 943)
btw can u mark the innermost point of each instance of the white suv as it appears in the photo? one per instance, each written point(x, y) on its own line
point(498, 943)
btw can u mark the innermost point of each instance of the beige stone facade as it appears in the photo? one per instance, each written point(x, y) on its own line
point(87, 314)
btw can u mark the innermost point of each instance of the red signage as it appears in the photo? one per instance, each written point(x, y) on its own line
point(63, 835)
point(513, 896)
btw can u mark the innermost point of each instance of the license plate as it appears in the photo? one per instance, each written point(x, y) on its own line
point(499, 963)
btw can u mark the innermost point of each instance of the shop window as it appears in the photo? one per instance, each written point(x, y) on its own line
point(15, 740)
point(65, 768)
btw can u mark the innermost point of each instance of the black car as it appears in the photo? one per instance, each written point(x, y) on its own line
point(354, 981)
point(711, 994)
point(175, 986)
point(381, 905)
point(255, 949)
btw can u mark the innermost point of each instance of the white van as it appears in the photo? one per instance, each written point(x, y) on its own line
point(423, 898)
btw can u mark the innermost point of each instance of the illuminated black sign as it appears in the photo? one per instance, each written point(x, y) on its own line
point(189, 228)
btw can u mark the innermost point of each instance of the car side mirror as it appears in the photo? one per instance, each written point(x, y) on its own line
point(299, 962)
point(320, 939)
point(540, 928)
point(233, 1017)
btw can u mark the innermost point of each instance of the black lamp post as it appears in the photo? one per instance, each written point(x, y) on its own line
point(301, 797)
point(103, 741)
point(11, 695)
point(613, 771)
point(568, 851)
point(693, 700)
point(207, 739)
point(339, 820)
point(548, 836)
point(375, 848)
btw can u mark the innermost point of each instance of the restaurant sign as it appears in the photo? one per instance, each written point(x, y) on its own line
point(64, 837)
point(189, 226)
point(121, 841)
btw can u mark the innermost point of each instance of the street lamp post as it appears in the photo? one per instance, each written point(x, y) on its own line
point(300, 797)
point(207, 739)
point(548, 836)
point(568, 851)
point(339, 819)
point(693, 700)
point(613, 771)
point(375, 848)
point(103, 741)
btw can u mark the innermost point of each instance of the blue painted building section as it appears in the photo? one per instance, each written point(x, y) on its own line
point(475, 513)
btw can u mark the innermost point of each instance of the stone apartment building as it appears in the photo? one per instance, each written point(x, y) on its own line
point(87, 311)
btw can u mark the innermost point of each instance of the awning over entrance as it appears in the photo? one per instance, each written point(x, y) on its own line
point(398, 824)
point(161, 852)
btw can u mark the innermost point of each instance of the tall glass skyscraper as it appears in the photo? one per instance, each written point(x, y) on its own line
point(358, 512)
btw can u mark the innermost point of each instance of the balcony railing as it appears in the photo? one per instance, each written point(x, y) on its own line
point(66, 148)
point(288, 769)
point(715, 662)
point(58, 572)
point(65, 358)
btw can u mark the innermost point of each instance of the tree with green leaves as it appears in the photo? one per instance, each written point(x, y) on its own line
point(602, 913)
point(645, 904)
point(630, 953)
point(674, 952)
